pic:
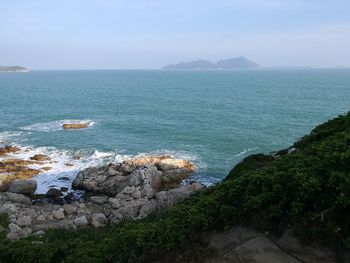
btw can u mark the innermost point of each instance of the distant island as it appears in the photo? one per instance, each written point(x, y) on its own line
point(226, 64)
point(13, 69)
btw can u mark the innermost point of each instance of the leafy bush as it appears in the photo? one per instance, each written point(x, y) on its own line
point(252, 162)
point(4, 220)
point(309, 189)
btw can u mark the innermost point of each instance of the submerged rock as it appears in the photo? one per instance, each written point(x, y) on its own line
point(17, 162)
point(40, 157)
point(8, 149)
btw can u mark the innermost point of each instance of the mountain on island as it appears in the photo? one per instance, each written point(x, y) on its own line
point(13, 69)
point(232, 63)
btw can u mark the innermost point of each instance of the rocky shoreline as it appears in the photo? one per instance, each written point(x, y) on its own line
point(132, 189)
point(13, 167)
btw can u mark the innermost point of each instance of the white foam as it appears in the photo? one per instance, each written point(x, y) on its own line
point(206, 180)
point(97, 154)
point(54, 125)
point(244, 152)
point(6, 137)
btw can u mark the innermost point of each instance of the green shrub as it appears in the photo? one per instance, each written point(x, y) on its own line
point(4, 220)
point(252, 162)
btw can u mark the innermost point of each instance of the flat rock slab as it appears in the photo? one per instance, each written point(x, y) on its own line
point(242, 245)
point(259, 250)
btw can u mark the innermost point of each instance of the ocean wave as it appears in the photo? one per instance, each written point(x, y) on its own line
point(54, 125)
point(9, 135)
point(204, 179)
point(12, 138)
point(245, 151)
point(97, 154)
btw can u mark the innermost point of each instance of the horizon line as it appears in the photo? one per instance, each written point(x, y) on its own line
point(162, 69)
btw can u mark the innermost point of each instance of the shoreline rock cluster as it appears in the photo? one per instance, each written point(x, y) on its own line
point(12, 168)
point(132, 189)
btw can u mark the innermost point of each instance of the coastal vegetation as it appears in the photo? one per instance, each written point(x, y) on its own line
point(305, 188)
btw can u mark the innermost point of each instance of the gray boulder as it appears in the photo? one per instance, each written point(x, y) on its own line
point(14, 228)
point(99, 220)
point(148, 208)
point(18, 198)
point(69, 209)
point(80, 221)
point(22, 186)
point(24, 221)
point(173, 196)
point(98, 199)
point(58, 214)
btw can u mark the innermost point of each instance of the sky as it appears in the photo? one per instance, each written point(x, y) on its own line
point(148, 34)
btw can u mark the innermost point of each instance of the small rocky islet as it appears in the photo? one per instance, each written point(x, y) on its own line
point(131, 189)
point(75, 126)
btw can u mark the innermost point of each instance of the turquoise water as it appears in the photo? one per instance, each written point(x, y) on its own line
point(214, 118)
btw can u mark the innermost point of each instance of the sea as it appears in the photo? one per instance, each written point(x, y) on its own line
point(212, 118)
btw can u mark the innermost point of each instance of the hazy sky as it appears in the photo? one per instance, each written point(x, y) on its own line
point(101, 34)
